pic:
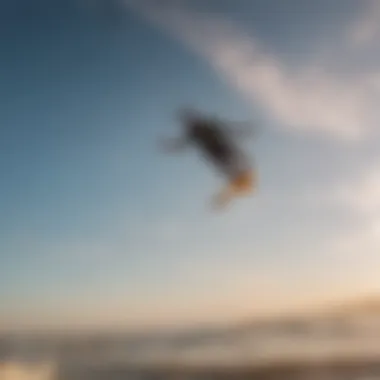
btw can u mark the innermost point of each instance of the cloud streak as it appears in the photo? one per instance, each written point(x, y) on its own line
point(363, 196)
point(360, 196)
point(366, 29)
point(310, 100)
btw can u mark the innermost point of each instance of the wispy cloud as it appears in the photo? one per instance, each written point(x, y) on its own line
point(366, 29)
point(312, 99)
point(363, 195)
point(359, 196)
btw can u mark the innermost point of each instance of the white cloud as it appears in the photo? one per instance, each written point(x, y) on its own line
point(361, 194)
point(311, 100)
point(361, 197)
point(367, 28)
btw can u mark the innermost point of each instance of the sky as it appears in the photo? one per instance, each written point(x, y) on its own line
point(98, 228)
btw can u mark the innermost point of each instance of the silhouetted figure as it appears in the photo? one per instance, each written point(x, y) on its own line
point(216, 141)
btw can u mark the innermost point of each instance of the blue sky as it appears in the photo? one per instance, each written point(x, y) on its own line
point(98, 228)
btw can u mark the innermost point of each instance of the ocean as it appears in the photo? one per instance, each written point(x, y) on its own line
point(312, 348)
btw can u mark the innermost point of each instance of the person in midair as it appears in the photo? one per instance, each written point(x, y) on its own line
point(217, 142)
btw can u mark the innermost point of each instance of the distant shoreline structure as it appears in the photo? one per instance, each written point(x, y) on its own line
point(334, 369)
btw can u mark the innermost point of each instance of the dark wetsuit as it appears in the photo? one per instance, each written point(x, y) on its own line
point(216, 145)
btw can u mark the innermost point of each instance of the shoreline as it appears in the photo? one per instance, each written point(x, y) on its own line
point(335, 368)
